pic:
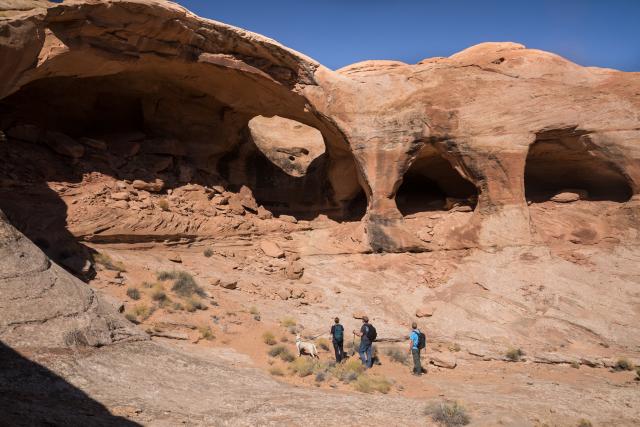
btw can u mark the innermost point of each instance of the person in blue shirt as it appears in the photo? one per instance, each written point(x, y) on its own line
point(414, 337)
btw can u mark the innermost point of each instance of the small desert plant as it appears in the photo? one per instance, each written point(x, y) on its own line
point(397, 355)
point(254, 310)
point(193, 304)
point(323, 343)
point(448, 414)
point(269, 338)
point(284, 338)
point(106, 261)
point(206, 333)
point(303, 366)
point(282, 352)
point(575, 365)
point(208, 252)
point(276, 372)
point(637, 373)
point(455, 347)
point(514, 354)
point(623, 364)
point(370, 384)
point(348, 371)
point(288, 322)
point(158, 293)
point(131, 317)
point(133, 293)
point(142, 311)
point(177, 306)
point(584, 423)
point(163, 204)
point(321, 376)
point(167, 275)
point(186, 286)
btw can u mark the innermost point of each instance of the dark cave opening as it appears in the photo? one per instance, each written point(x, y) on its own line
point(433, 184)
point(566, 161)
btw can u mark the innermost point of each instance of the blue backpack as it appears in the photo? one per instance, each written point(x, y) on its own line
point(338, 332)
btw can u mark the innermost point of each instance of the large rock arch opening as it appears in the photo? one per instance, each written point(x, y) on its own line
point(566, 161)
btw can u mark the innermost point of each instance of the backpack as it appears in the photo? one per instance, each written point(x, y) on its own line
point(422, 340)
point(338, 332)
point(372, 334)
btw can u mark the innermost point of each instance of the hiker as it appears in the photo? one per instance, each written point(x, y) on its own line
point(337, 338)
point(417, 342)
point(367, 336)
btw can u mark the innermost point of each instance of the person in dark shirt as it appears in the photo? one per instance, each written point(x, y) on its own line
point(337, 338)
point(365, 350)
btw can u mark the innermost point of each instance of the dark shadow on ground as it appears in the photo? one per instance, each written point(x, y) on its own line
point(32, 395)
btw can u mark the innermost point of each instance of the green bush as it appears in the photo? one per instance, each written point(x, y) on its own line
point(514, 354)
point(370, 384)
point(183, 283)
point(448, 414)
point(133, 293)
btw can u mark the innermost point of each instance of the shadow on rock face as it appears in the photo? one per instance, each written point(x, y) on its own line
point(31, 395)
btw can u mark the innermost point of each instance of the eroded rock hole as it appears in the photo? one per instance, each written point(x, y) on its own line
point(566, 162)
point(287, 166)
point(432, 184)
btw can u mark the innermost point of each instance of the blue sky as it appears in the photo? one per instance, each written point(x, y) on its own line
point(604, 33)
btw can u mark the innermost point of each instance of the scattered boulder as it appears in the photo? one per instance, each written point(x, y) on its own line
point(96, 144)
point(294, 271)
point(121, 195)
point(425, 311)
point(154, 187)
point(64, 145)
point(284, 294)
point(358, 314)
point(288, 218)
point(569, 196)
point(444, 360)
point(28, 133)
point(247, 200)
point(271, 249)
point(426, 235)
point(120, 204)
point(175, 258)
point(228, 284)
point(263, 213)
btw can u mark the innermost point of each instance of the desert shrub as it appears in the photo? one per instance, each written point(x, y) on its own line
point(142, 311)
point(276, 372)
point(584, 423)
point(206, 333)
point(637, 373)
point(177, 306)
point(397, 355)
point(269, 338)
point(348, 371)
point(370, 384)
point(284, 338)
point(293, 330)
point(133, 293)
point(575, 365)
point(254, 310)
point(106, 261)
point(323, 343)
point(288, 322)
point(158, 294)
point(193, 304)
point(321, 376)
point(167, 275)
point(163, 204)
point(208, 252)
point(303, 366)
point(514, 354)
point(282, 352)
point(448, 414)
point(623, 364)
point(131, 317)
point(455, 348)
point(186, 286)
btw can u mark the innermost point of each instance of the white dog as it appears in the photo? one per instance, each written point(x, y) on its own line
point(306, 347)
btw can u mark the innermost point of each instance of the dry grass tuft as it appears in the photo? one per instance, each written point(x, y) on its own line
point(106, 261)
point(282, 352)
point(448, 414)
point(208, 252)
point(303, 366)
point(370, 384)
point(514, 354)
point(397, 355)
point(276, 372)
point(133, 293)
point(206, 333)
point(323, 343)
point(163, 204)
point(269, 338)
point(623, 364)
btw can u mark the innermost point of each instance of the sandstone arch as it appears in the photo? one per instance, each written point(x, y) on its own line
point(567, 159)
